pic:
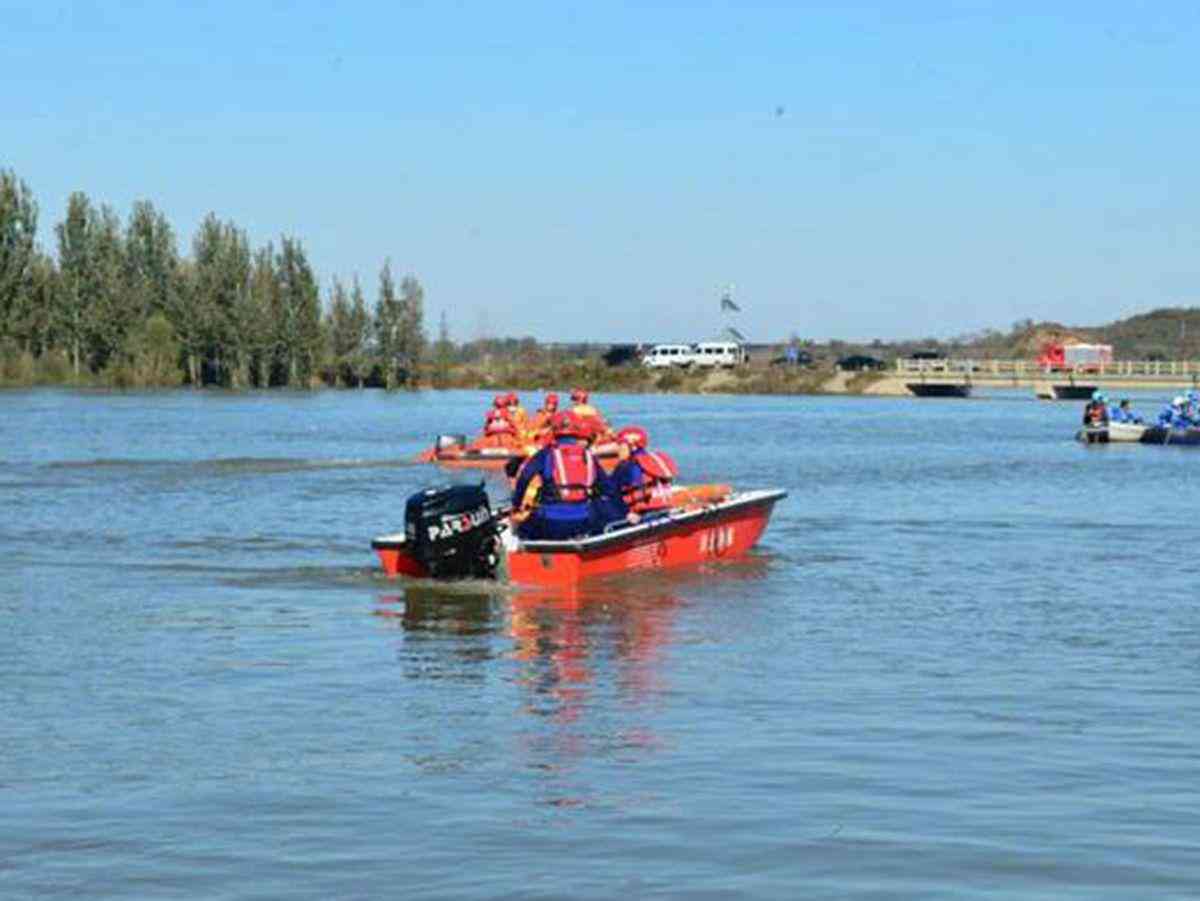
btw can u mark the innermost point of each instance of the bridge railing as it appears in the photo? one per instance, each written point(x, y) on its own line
point(1028, 369)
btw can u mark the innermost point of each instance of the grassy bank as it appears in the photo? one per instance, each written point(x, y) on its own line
point(22, 370)
point(596, 376)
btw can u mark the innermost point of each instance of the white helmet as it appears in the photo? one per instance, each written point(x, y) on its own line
point(1179, 401)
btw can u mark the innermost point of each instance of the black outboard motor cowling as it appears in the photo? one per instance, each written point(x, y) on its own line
point(452, 530)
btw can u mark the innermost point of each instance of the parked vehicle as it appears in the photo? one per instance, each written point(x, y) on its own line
point(799, 358)
point(620, 354)
point(1057, 357)
point(859, 363)
point(718, 353)
point(930, 360)
point(664, 356)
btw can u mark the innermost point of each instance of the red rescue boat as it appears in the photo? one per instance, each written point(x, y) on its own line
point(684, 536)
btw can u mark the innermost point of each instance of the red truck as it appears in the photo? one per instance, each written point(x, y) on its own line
point(1058, 357)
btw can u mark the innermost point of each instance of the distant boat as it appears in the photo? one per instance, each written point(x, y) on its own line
point(1071, 391)
point(939, 389)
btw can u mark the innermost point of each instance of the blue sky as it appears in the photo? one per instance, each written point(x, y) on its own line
point(600, 171)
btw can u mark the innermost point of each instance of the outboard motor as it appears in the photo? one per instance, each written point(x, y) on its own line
point(445, 442)
point(452, 530)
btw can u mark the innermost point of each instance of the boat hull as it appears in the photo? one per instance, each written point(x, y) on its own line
point(1173, 437)
point(1113, 433)
point(685, 537)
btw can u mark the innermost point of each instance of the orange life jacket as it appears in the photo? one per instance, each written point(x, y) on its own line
point(498, 423)
point(573, 471)
point(658, 469)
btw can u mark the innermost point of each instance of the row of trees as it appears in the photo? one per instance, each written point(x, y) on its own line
point(118, 300)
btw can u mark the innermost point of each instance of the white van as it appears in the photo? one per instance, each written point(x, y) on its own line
point(662, 356)
point(718, 353)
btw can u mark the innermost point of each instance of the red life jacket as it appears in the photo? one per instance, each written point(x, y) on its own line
point(658, 469)
point(573, 472)
point(498, 423)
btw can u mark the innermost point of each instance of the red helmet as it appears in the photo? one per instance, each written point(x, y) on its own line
point(567, 423)
point(511, 398)
point(551, 401)
point(579, 396)
point(634, 436)
point(499, 400)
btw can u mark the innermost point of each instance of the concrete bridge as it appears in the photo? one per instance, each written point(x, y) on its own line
point(1165, 375)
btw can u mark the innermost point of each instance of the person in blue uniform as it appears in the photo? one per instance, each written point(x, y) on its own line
point(1123, 412)
point(1175, 416)
point(562, 491)
point(643, 477)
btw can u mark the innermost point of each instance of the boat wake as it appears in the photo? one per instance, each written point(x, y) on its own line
point(224, 466)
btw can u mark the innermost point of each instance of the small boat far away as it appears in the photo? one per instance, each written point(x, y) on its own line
point(453, 452)
point(939, 389)
point(1063, 391)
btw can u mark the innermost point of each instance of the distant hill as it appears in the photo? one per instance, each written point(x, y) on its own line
point(1170, 333)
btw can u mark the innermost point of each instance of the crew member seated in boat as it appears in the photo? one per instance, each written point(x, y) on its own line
point(556, 489)
point(1095, 414)
point(539, 427)
point(516, 414)
point(1123, 412)
point(597, 427)
point(643, 476)
point(1191, 407)
point(498, 429)
point(1175, 416)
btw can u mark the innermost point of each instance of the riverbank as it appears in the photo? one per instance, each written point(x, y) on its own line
point(596, 376)
point(586, 374)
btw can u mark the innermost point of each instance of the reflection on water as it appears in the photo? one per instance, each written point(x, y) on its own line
point(571, 654)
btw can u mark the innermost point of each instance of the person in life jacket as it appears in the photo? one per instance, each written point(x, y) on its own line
point(597, 426)
point(1191, 407)
point(516, 414)
point(556, 488)
point(1095, 414)
point(1174, 415)
point(498, 429)
point(643, 477)
point(539, 426)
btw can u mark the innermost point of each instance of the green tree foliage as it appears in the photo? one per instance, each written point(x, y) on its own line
point(399, 329)
point(31, 316)
point(443, 354)
point(297, 316)
point(255, 328)
point(221, 254)
point(151, 261)
point(347, 330)
point(389, 323)
point(118, 304)
point(18, 230)
point(75, 295)
point(112, 311)
point(412, 334)
point(150, 357)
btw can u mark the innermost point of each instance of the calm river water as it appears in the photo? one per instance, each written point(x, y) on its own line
point(964, 663)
